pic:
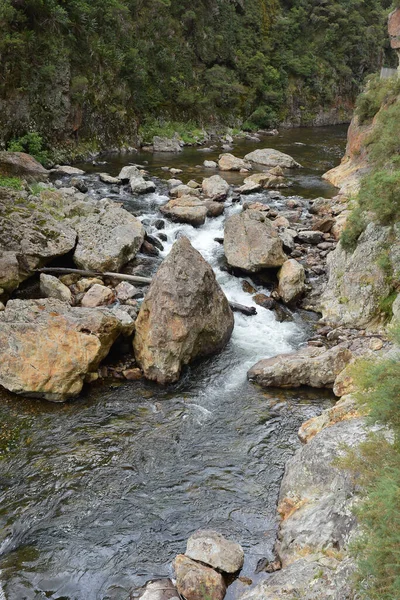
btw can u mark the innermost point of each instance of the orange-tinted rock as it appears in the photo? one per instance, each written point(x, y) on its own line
point(195, 581)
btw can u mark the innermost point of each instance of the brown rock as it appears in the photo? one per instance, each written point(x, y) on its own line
point(264, 301)
point(228, 162)
point(248, 288)
point(185, 315)
point(195, 581)
point(19, 164)
point(132, 374)
point(98, 295)
point(324, 225)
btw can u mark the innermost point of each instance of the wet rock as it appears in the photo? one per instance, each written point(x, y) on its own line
point(107, 239)
point(149, 249)
point(291, 279)
point(106, 178)
point(251, 243)
point(215, 188)
point(186, 209)
point(310, 237)
point(20, 164)
point(51, 287)
point(228, 162)
point(163, 144)
point(197, 582)
point(315, 367)
point(246, 286)
point(214, 209)
point(185, 315)
point(210, 164)
point(140, 185)
point(213, 549)
point(159, 224)
point(79, 184)
point(268, 157)
point(264, 301)
point(76, 339)
point(98, 295)
point(128, 172)
point(162, 589)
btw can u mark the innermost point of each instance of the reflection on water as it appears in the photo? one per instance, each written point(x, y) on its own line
point(99, 495)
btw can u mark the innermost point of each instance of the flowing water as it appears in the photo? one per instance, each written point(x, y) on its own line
point(98, 495)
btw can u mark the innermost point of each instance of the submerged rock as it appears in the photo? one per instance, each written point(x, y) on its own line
point(268, 157)
point(315, 367)
point(185, 315)
point(251, 243)
point(20, 164)
point(215, 550)
point(197, 582)
point(47, 347)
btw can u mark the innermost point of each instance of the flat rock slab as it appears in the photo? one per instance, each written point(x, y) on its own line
point(47, 347)
point(268, 157)
point(315, 367)
point(215, 550)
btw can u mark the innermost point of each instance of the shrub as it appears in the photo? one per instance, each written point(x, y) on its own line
point(32, 143)
point(377, 93)
point(380, 193)
point(355, 226)
point(11, 182)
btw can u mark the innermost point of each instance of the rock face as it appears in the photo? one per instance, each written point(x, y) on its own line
point(197, 582)
point(213, 549)
point(108, 238)
point(186, 209)
point(31, 234)
point(163, 144)
point(356, 283)
point(315, 367)
point(251, 243)
point(185, 315)
point(19, 164)
point(215, 187)
point(47, 348)
point(268, 157)
point(228, 162)
point(291, 281)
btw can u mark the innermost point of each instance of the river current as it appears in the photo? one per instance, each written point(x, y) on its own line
point(98, 495)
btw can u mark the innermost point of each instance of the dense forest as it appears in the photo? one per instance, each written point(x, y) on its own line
point(101, 68)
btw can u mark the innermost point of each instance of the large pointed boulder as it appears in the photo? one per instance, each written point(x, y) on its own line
point(251, 243)
point(184, 316)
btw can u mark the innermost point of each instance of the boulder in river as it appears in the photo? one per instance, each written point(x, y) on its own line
point(251, 243)
point(314, 367)
point(268, 157)
point(140, 185)
point(195, 581)
point(128, 172)
point(186, 209)
point(229, 162)
point(215, 187)
point(185, 315)
point(19, 164)
point(108, 238)
point(213, 549)
point(164, 144)
point(291, 278)
point(47, 347)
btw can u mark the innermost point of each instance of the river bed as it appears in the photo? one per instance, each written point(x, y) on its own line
point(98, 495)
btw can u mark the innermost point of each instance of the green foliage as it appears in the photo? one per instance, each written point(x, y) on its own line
point(355, 226)
point(188, 132)
point(11, 182)
point(380, 193)
point(32, 143)
point(376, 466)
point(377, 93)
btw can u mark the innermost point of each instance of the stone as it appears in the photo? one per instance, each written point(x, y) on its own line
point(98, 295)
point(251, 243)
point(184, 316)
point(325, 224)
point(291, 279)
point(345, 408)
point(197, 582)
point(82, 286)
point(106, 178)
point(125, 291)
point(66, 170)
point(173, 183)
point(184, 190)
point(310, 237)
point(128, 172)
point(375, 344)
point(268, 157)
point(175, 171)
point(264, 301)
point(228, 162)
point(48, 347)
point(163, 144)
point(215, 187)
point(107, 239)
point(51, 287)
point(210, 164)
point(281, 221)
point(20, 164)
point(193, 184)
point(2, 307)
point(9, 270)
point(344, 382)
point(213, 549)
point(162, 589)
point(186, 209)
point(132, 374)
point(125, 319)
point(250, 187)
point(140, 185)
point(311, 366)
point(214, 209)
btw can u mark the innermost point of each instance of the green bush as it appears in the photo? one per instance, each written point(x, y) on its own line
point(11, 182)
point(380, 193)
point(32, 143)
point(355, 226)
point(378, 92)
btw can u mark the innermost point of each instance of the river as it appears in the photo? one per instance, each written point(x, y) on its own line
point(98, 495)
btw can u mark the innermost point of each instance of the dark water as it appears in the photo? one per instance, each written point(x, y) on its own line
point(99, 495)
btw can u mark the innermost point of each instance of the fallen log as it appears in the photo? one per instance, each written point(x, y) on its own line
point(65, 271)
point(245, 310)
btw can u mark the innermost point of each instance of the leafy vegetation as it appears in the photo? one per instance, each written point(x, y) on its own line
point(376, 466)
point(11, 182)
point(100, 69)
point(32, 143)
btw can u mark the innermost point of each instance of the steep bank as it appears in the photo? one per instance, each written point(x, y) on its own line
point(97, 70)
